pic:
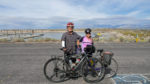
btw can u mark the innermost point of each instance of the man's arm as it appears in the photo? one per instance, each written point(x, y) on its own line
point(63, 44)
point(63, 39)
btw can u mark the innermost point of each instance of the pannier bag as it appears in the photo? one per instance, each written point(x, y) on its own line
point(107, 57)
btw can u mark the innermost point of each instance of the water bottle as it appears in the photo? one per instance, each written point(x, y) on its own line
point(71, 64)
point(70, 61)
point(77, 60)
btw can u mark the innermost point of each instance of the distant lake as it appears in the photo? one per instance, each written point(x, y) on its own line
point(58, 35)
point(54, 35)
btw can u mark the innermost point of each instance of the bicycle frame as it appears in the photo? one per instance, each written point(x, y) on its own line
point(83, 59)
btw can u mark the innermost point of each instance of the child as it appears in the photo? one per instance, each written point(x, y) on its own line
point(86, 40)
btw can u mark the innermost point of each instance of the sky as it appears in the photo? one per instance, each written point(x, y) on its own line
point(54, 14)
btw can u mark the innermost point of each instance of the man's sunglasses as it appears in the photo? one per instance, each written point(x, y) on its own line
point(70, 26)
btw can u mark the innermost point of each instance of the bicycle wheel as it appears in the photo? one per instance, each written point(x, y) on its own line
point(93, 70)
point(54, 70)
point(111, 70)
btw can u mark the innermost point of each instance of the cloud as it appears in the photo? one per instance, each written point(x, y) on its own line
point(60, 22)
point(47, 8)
point(85, 13)
point(133, 13)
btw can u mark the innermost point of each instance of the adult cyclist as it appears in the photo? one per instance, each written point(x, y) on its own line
point(70, 41)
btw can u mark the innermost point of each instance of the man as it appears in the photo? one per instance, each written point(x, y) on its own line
point(70, 42)
point(70, 39)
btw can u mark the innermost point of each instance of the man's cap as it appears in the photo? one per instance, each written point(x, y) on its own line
point(70, 24)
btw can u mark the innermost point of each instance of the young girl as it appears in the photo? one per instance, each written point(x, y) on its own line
point(86, 40)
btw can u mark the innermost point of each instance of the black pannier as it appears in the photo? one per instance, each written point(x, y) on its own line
point(89, 49)
point(107, 57)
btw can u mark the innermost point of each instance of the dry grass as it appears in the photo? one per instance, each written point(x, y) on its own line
point(18, 40)
point(117, 35)
point(42, 40)
point(4, 40)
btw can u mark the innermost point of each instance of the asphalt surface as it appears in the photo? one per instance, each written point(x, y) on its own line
point(22, 63)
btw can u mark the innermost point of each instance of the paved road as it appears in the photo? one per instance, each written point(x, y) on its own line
point(22, 63)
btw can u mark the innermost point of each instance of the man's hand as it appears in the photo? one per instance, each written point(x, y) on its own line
point(64, 49)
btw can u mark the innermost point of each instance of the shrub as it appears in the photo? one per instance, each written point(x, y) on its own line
point(42, 40)
point(121, 39)
point(149, 40)
point(3, 40)
point(111, 39)
point(18, 40)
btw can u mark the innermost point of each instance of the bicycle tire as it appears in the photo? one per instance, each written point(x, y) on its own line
point(113, 64)
point(100, 75)
point(60, 70)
